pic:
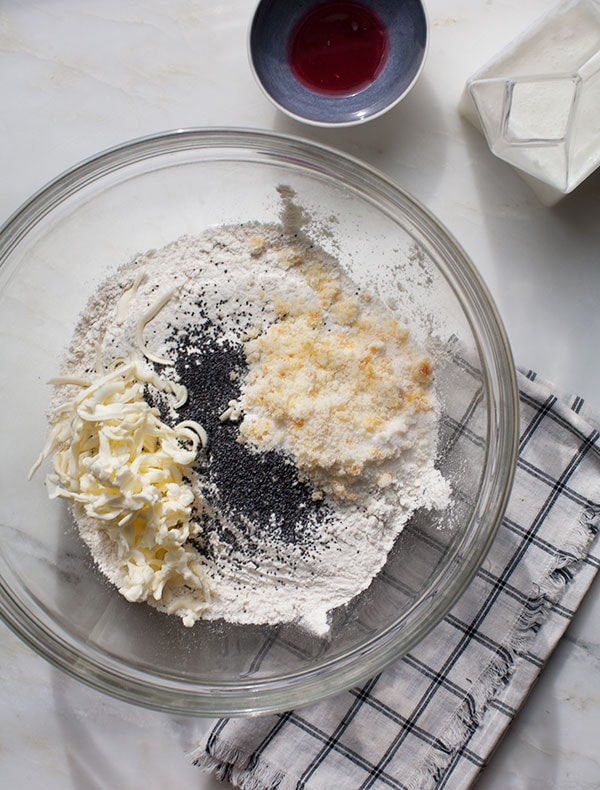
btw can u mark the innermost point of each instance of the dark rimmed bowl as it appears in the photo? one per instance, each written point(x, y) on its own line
point(272, 29)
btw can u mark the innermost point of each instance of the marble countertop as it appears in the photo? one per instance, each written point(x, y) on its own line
point(79, 76)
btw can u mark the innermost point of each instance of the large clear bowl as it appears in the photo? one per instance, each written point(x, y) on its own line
point(78, 230)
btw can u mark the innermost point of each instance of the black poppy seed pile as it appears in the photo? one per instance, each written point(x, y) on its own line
point(254, 498)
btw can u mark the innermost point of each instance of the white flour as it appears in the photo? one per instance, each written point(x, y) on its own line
point(320, 426)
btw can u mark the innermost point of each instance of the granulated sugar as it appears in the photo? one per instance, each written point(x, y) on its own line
point(316, 412)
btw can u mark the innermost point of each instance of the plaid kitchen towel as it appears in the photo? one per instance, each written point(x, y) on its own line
point(431, 719)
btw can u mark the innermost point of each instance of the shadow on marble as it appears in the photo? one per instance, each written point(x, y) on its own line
point(585, 623)
point(112, 744)
point(398, 133)
point(519, 764)
point(503, 194)
point(553, 738)
point(576, 207)
point(536, 261)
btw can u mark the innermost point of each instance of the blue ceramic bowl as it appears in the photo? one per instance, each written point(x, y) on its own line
point(278, 26)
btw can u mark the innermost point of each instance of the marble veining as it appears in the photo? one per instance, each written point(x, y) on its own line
point(79, 77)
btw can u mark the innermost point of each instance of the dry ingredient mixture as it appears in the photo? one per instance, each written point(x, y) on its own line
point(241, 432)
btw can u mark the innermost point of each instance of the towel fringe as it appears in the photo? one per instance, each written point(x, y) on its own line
point(239, 768)
point(546, 594)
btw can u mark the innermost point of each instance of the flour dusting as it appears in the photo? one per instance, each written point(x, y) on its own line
point(250, 430)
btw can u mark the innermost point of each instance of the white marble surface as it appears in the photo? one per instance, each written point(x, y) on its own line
point(78, 76)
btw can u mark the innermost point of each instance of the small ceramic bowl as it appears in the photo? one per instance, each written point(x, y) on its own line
point(337, 62)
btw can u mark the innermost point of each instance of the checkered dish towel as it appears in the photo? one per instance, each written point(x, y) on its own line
point(431, 719)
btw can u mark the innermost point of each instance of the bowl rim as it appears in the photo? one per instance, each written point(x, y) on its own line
point(362, 118)
point(345, 670)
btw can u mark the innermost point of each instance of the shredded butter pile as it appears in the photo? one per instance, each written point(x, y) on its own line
point(116, 459)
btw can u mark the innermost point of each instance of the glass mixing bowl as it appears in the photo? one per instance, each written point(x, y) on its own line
point(78, 230)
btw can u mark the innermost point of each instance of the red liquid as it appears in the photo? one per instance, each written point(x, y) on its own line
point(338, 48)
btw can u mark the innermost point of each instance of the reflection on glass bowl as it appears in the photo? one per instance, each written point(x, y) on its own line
point(78, 230)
